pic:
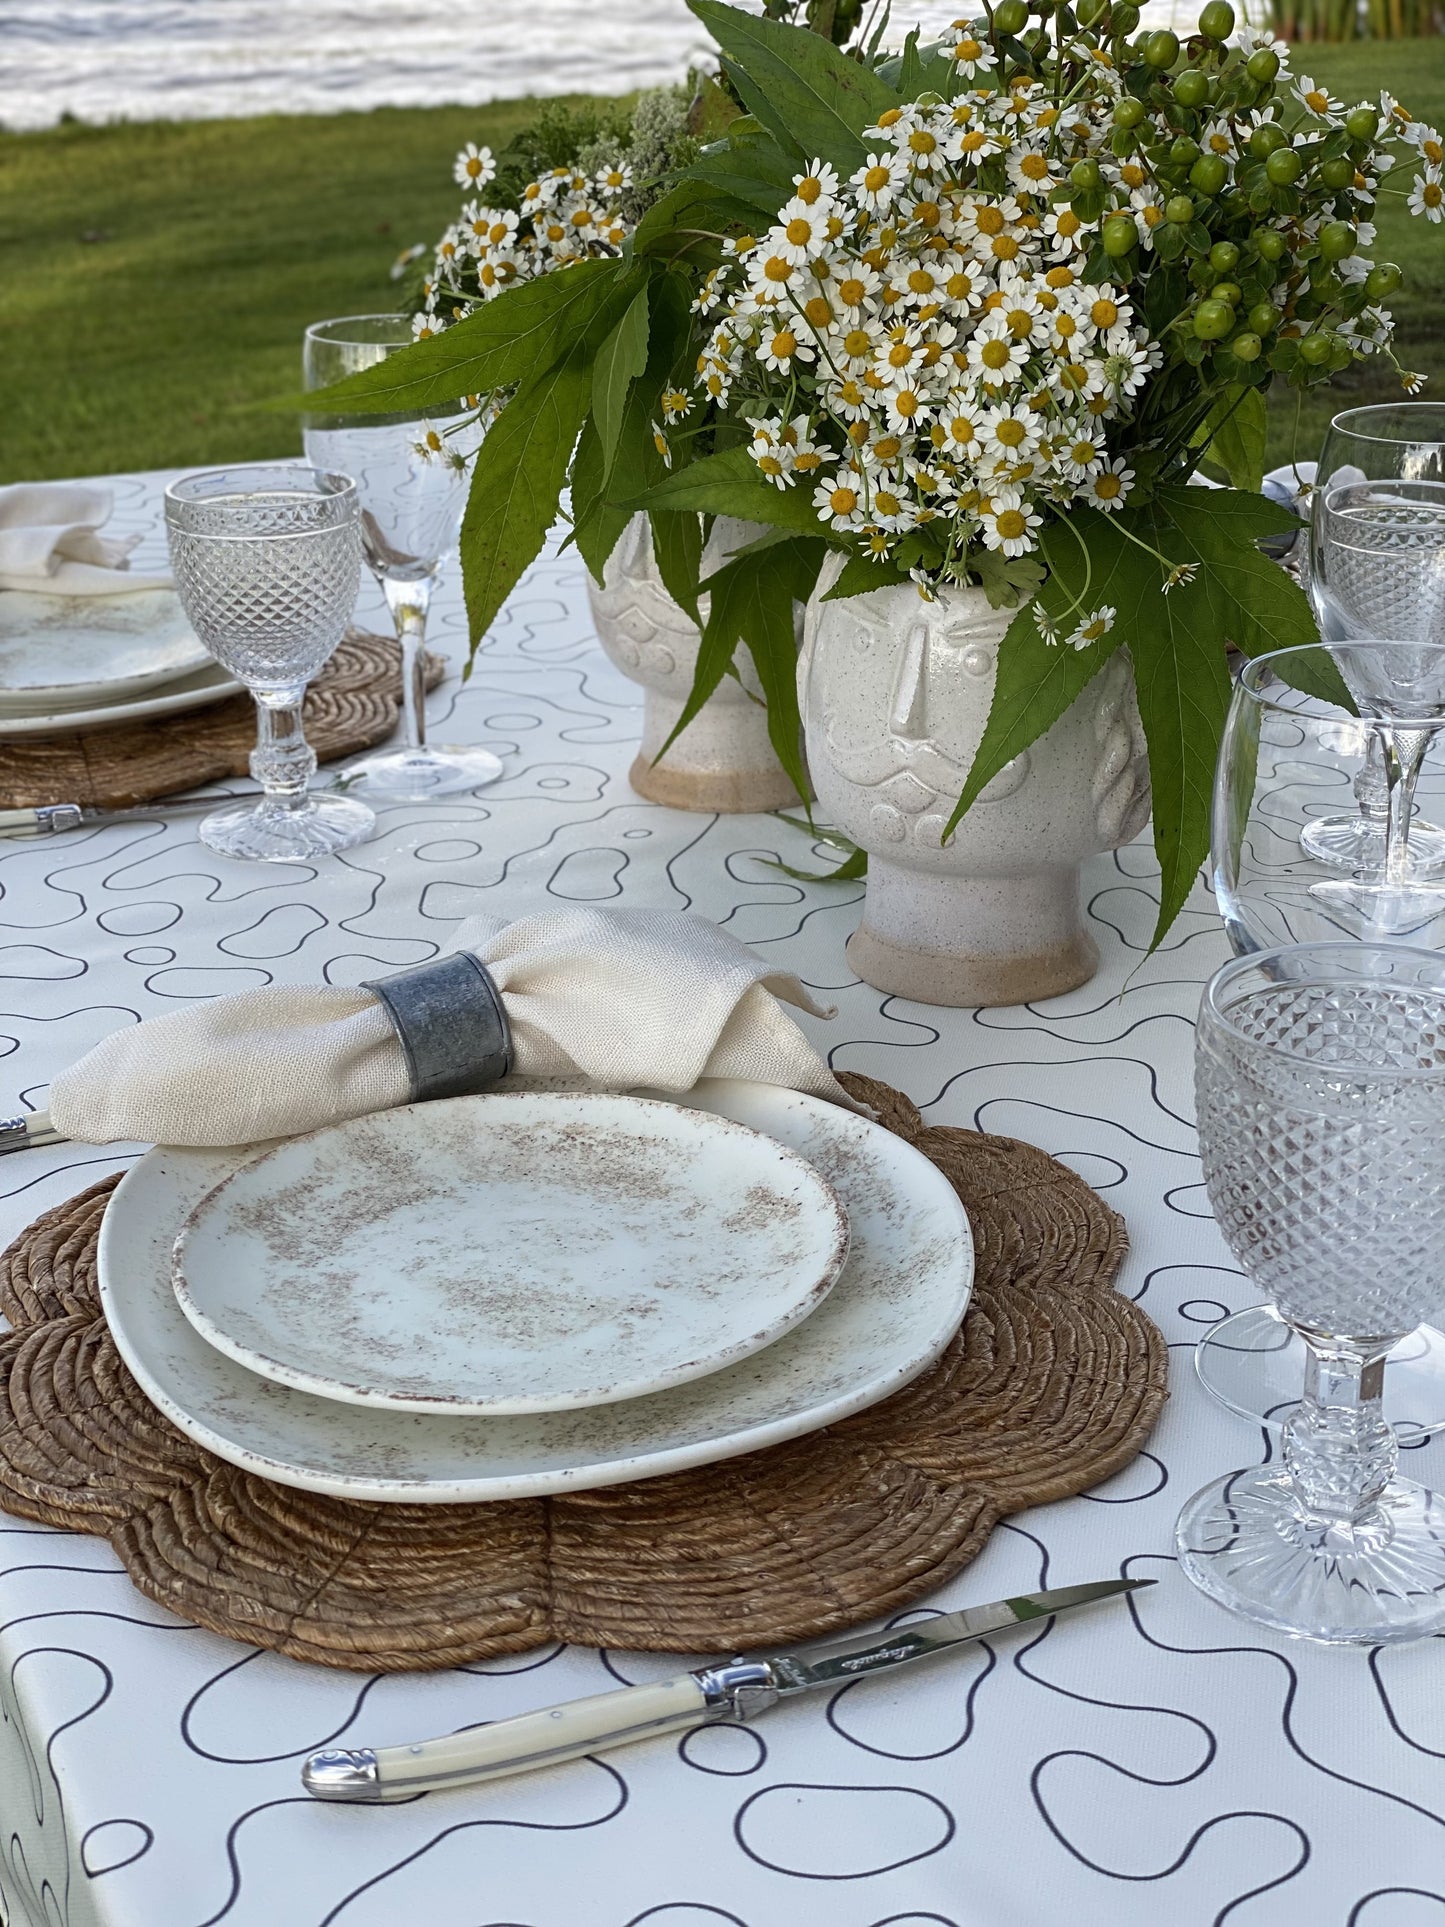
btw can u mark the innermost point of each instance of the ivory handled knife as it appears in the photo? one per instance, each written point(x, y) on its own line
point(737, 1690)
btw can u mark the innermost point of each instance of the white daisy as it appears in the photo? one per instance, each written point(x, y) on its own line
point(1092, 628)
point(474, 166)
point(1109, 487)
point(839, 501)
point(1427, 197)
point(1008, 522)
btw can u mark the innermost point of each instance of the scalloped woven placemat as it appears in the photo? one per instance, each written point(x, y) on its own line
point(352, 704)
point(1053, 1383)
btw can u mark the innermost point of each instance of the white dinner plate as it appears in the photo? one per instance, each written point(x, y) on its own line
point(520, 1252)
point(67, 652)
point(895, 1306)
point(208, 685)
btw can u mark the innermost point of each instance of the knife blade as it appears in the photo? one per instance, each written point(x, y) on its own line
point(737, 1690)
point(54, 819)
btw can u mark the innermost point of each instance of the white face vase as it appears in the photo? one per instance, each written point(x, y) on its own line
point(723, 760)
point(895, 694)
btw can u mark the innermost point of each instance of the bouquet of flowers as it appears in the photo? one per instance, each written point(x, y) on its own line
point(970, 313)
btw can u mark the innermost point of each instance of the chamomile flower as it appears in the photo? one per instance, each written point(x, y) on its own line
point(1108, 488)
point(661, 443)
point(613, 181)
point(1427, 197)
point(820, 183)
point(1092, 628)
point(993, 353)
point(424, 326)
point(474, 166)
point(781, 348)
point(878, 180)
point(1008, 522)
point(1315, 100)
point(676, 404)
point(971, 56)
point(839, 500)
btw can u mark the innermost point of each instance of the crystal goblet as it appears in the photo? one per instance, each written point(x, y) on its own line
point(411, 475)
point(1377, 568)
point(267, 559)
point(1320, 1089)
point(1284, 760)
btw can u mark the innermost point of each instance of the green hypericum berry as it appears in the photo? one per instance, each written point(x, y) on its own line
point(1119, 236)
point(1224, 257)
point(1263, 319)
point(1316, 349)
point(1269, 244)
point(1161, 50)
point(1337, 174)
point(1226, 291)
point(1337, 239)
point(1246, 347)
point(1092, 11)
point(1382, 280)
point(1361, 123)
point(1191, 88)
point(1284, 167)
point(1129, 112)
point(1209, 173)
point(1268, 138)
point(1262, 66)
point(1179, 210)
point(1217, 20)
point(1086, 174)
point(1125, 17)
point(1213, 320)
point(1010, 16)
point(1183, 152)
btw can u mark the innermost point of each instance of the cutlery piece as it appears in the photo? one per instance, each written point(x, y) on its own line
point(53, 819)
point(25, 1132)
point(737, 1690)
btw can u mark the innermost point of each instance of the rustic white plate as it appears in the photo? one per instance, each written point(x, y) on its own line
point(208, 685)
point(64, 652)
point(897, 1303)
point(520, 1252)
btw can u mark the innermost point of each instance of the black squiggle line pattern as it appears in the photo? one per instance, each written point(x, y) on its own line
point(209, 1735)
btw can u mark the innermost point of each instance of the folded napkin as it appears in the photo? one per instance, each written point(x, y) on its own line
point(49, 542)
point(618, 997)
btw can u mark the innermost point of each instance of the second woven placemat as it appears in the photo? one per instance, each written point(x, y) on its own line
point(352, 704)
point(1052, 1384)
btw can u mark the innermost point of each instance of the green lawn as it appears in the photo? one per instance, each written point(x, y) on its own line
point(157, 277)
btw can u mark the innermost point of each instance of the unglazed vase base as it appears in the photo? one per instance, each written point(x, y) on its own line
point(729, 791)
point(937, 977)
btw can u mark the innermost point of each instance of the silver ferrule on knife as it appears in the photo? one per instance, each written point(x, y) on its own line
point(737, 1689)
point(27, 1131)
point(46, 819)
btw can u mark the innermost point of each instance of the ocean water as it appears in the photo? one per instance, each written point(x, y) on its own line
point(105, 60)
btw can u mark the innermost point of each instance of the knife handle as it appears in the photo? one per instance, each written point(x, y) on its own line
point(517, 1745)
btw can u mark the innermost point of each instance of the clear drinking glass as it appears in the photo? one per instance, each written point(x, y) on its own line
point(411, 475)
point(1377, 568)
point(1284, 763)
point(1320, 1088)
point(267, 561)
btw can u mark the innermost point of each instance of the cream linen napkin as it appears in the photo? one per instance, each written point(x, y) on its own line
point(621, 997)
point(49, 543)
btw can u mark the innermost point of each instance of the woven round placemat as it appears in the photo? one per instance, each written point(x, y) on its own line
point(1053, 1383)
point(352, 704)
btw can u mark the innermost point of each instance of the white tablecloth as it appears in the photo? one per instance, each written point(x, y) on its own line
point(1160, 1761)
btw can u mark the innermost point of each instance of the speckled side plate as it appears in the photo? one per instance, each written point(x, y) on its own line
point(518, 1252)
point(896, 1304)
point(65, 652)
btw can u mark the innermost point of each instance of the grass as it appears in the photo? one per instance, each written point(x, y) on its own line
point(158, 276)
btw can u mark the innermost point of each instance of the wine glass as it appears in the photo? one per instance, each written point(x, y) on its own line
point(1320, 1088)
point(267, 561)
point(1377, 568)
point(411, 475)
point(1289, 741)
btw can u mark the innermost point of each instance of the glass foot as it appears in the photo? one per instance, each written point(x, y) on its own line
point(1244, 1541)
point(414, 775)
point(272, 833)
point(1356, 843)
point(1254, 1364)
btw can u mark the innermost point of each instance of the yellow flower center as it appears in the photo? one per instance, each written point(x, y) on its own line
point(890, 117)
point(927, 214)
point(1011, 524)
point(907, 404)
point(843, 501)
point(775, 268)
point(1104, 313)
point(1035, 167)
point(785, 344)
point(818, 311)
point(770, 465)
point(989, 220)
point(1020, 323)
point(876, 178)
point(1082, 452)
point(1060, 277)
point(851, 291)
point(1432, 194)
point(888, 448)
point(808, 461)
point(1317, 101)
point(920, 141)
point(1011, 433)
point(994, 354)
point(975, 140)
point(810, 189)
point(899, 355)
point(1065, 327)
point(962, 430)
point(968, 50)
point(857, 343)
point(582, 217)
point(800, 231)
point(920, 281)
point(1131, 174)
point(1433, 151)
point(852, 394)
point(1107, 487)
point(1153, 215)
point(959, 286)
point(1004, 247)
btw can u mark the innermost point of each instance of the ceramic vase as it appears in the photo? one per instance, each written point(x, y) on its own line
point(723, 760)
point(895, 693)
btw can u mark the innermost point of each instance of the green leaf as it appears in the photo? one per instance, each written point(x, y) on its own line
point(597, 524)
point(1235, 433)
point(1263, 607)
point(520, 468)
point(512, 339)
point(732, 484)
point(620, 359)
point(691, 222)
point(859, 575)
point(751, 167)
point(814, 94)
point(677, 545)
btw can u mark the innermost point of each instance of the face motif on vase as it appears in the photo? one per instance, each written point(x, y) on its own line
point(895, 711)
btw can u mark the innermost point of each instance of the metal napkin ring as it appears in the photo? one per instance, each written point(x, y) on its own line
point(450, 1020)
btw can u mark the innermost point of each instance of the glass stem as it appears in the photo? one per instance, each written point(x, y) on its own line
point(409, 602)
point(1404, 752)
point(282, 761)
point(1372, 792)
point(1338, 1449)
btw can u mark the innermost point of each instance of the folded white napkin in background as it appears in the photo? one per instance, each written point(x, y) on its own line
point(619, 997)
point(49, 542)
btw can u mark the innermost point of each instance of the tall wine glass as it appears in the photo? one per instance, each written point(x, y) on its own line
point(1320, 1088)
point(1289, 743)
point(411, 475)
point(267, 560)
point(1377, 568)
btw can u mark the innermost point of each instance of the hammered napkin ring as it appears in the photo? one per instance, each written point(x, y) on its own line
point(451, 1023)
